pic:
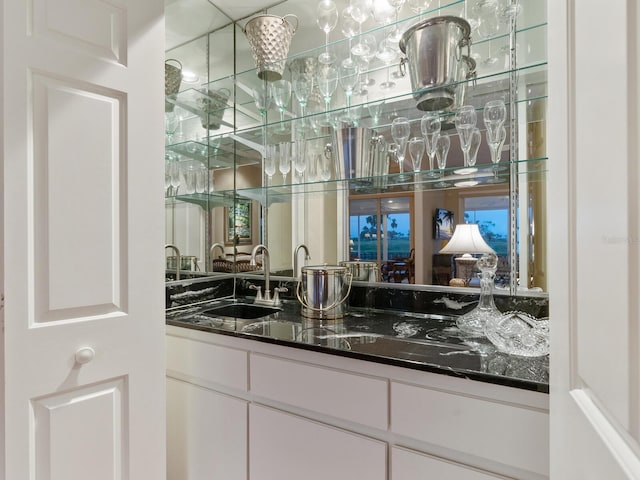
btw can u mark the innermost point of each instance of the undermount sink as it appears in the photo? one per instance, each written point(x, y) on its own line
point(246, 311)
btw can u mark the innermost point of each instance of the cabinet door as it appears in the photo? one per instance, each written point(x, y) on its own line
point(287, 447)
point(206, 434)
point(408, 465)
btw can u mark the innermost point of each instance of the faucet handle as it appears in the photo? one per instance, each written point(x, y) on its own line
point(258, 289)
point(276, 295)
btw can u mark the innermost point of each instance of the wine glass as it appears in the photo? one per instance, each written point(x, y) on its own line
point(465, 122)
point(418, 6)
point(430, 126)
point(442, 150)
point(364, 60)
point(281, 91)
point(299, 158)
point(302, 84)
point(474, 145)
point(495, 149)
point(171, 121)
point(327, 83)
point(348, 80)
point(387, 53)
point(416, 151)
point(284, 160)
point(360, 11)
point(262, 99)
point(174, 173)
point(349, 28)
point(326, 19)
point(400, 131)
point(375, 108)
point(494, 115)
point(396, 34)
point(270, 162)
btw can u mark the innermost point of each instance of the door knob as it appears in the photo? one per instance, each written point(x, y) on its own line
point(85, 355)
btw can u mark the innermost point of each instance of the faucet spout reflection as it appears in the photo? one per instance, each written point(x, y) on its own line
point(213, 247)
point(178, 259)
point(302, 246)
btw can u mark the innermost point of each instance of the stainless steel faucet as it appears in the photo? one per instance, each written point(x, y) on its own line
point(265, 266)
point(213, 247)
point(178, 258)
point(295, 257)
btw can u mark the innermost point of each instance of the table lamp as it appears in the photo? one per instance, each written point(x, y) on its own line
point(467, 240)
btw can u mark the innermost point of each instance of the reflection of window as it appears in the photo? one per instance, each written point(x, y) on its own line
point(491, 213)
point(380, 228)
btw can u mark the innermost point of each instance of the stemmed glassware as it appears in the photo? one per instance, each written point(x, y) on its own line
point(465, 122)
point(495, 149)
point(363, 61)
point(299, 158)
point(400, 131)
point(326, 19)
point(262, 98)
point(348, 80)
point(474, 145)
point(281, 91)
point(270, 162)
point(349, 28)
point(284, 160)
point(302, 84)
point(494, 114)
point(171, 122)
point(418, 6)
point(360, 11)
point(327, 83)
point(396, 34)
point(430, 126)
point(442, 150)
point(387, 53)
point(375, 110)
point(174, 174)
point(325, 167)
point(416, 151)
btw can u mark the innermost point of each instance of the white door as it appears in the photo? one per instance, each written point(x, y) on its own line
point(82, 269)
point(594, 228)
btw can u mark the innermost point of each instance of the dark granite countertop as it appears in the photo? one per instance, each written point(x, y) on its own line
point(421, 341)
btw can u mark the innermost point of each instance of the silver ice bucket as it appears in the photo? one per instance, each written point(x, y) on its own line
point(323, 291)
point(433, 50)
point(362, 271)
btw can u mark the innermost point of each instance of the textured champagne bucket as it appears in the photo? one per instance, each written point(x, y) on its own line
point(172, 80)
point(270, 37)
point(433, 51)
point(212, 107)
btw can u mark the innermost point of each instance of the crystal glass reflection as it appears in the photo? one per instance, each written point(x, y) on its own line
point(416, 151)
point(327, 83)
point(400, 132)
point(326, 19)
point(281, 91)
point(284, 160)
point(443, 144)
point(360, 11)
point(430, 126)
point(495, 149)
point(270, 162)
point(348, 81)
point(494, 115)
point(302, 84)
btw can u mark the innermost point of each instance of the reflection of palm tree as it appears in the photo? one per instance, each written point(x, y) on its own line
point(394, 224)
point(448, 217)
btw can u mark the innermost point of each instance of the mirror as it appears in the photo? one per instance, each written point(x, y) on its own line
point(403, 225)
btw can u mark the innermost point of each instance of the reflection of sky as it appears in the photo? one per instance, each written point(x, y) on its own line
point(500, 218)
point(402, 221)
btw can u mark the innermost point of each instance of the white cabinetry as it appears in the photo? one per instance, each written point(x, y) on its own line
point(318, 416)
point(289, 447)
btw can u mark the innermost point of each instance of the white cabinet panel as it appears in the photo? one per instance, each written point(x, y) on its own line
point(352, 397)
point(206, 434)
point(408, 465)
point(202, 362)
point(500, 432)
point(287, 447)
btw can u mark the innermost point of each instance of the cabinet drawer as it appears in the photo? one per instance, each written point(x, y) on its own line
point(348, 396)
point(503, 433)
point(288, 447)
point(204, 363)
point(206, 434)
point(409, 465)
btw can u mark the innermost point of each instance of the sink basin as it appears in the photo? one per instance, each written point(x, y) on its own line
point(246, 311)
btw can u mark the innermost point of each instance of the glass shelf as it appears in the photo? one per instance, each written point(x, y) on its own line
point(485, 175)
point(204, 200)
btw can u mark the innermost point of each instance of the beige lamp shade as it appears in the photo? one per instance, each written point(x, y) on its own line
point(467, 239)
